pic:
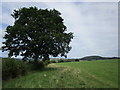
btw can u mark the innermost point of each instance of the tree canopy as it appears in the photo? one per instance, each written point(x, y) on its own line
point(37, 33)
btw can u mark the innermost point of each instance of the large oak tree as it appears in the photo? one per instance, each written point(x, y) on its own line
point(37, 33)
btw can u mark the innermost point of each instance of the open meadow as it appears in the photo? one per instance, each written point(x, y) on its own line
point(83, 74)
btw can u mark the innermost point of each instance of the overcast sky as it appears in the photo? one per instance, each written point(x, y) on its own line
point(94, 24)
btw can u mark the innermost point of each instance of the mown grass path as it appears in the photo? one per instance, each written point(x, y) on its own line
point(87, 74)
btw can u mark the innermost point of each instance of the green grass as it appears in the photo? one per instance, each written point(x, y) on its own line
point(101, 73)
point(84, 74)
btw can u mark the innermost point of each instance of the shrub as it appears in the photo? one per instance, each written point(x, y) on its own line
point(53, 61)
point(77, 60)
point(12, 68)
point(40, 65)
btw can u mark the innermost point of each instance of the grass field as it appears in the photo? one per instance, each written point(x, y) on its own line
point(84, 74)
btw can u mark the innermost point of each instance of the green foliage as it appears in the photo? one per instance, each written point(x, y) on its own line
point(12, 68)
point(37, 66)
point(37, 33)
point(53, 61)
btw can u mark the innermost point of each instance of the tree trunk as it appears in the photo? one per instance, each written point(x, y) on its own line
point(24, 59)
point(46, 57)
point(36, 59)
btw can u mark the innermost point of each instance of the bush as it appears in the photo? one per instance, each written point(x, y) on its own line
point(77, 60)
point(53, 61)
point(40, 65)
point(12, 68)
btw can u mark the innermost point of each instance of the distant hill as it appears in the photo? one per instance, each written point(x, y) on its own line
point(97, 58)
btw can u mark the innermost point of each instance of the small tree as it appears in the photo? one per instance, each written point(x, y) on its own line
point(37, 33)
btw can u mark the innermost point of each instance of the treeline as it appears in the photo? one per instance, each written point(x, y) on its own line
point(87, 58)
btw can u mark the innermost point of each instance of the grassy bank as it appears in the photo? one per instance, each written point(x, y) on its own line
point(84, 74)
